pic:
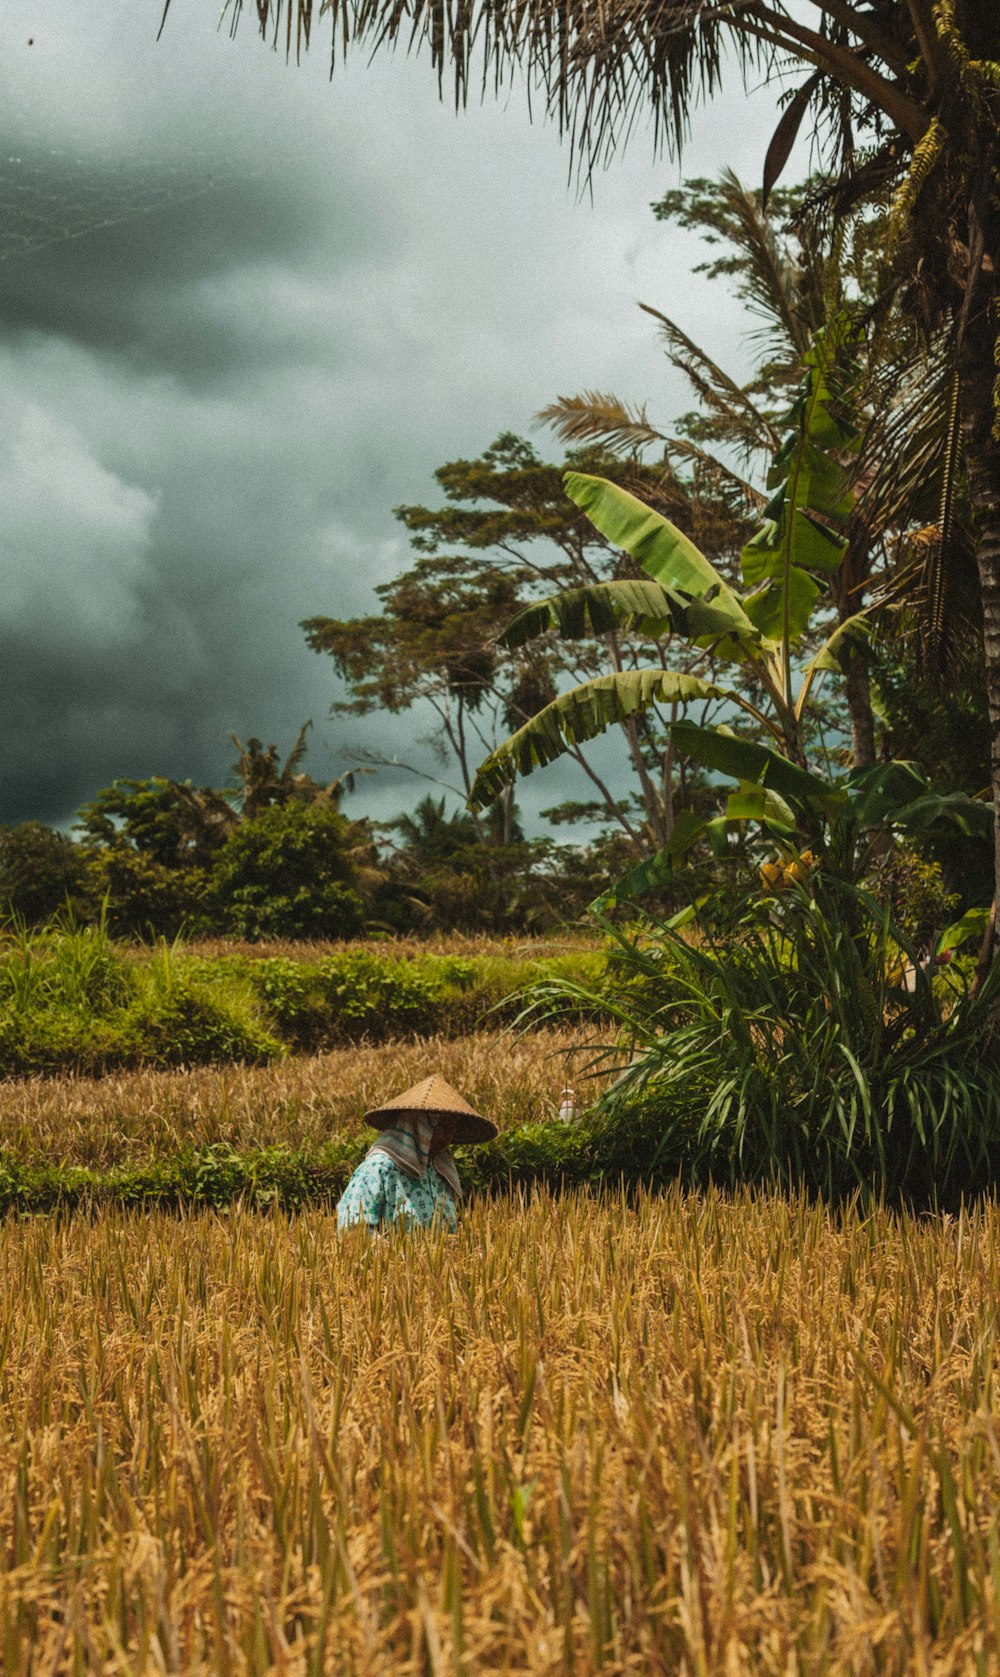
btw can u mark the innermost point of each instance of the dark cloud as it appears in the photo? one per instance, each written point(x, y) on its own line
point(242, 315)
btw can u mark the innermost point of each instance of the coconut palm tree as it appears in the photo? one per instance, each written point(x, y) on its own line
point(902, 96)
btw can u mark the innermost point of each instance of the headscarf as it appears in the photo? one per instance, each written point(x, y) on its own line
point(408, 1144)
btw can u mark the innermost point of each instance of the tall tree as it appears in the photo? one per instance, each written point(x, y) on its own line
point(507, 534)
point(902, 96)
point(41, 872)
point(162, 849)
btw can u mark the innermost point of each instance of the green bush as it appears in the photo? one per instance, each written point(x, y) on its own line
point(193, 1027)
point(343, 998)
point(212, 1176)
point(70, 998)
point(289, 873)
point(40, 872)
point(219, 1176)
point(803, 1043)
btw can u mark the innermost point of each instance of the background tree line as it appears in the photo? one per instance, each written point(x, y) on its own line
point(275, 856)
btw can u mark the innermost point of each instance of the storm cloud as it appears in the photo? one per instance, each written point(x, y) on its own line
point(243, 313)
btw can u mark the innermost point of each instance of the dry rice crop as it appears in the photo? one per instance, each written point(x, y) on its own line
point(467, 944)
point(686, 1435)
point(132, 1117)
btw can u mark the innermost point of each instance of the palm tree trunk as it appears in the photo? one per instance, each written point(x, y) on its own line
point(858, 694)
point(977, 372)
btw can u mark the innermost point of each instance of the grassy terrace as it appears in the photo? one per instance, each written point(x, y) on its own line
point(290, 1132)
point(593, 1432)
point(302, 1102)
point(76, 1001)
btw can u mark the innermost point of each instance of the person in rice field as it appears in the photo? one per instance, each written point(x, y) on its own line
point(409, 1175)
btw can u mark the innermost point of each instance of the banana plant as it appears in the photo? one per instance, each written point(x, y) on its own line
point(784, 568)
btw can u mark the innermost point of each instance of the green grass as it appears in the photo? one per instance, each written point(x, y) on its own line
point(73, 999)
point(801, 1042)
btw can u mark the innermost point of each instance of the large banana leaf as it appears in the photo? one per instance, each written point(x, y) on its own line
point(760, 803)
point(582, 714)
point(663, 551)
point(876, 792)
point(766, 607)
point(630, 603)
point(746, 761)
point(899, 794)
point(941, 812)
point(656, 870)
point(802, 534)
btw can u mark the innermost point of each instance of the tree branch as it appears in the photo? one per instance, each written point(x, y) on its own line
point(800, 42)
point(863, 25)
point(927, 40)
point(610, 803)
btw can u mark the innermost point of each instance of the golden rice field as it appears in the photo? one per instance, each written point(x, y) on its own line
point(686, 1435)
point(131, 1117)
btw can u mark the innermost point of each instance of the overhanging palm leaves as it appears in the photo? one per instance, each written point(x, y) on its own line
point(599, 65)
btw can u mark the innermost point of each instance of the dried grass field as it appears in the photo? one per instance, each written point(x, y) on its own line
point(682, 1434)
point(129, 1117)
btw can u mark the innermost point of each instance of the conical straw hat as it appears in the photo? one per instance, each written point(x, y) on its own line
point(434, 1098)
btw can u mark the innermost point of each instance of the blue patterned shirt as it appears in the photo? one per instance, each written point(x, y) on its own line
point(379, 1193)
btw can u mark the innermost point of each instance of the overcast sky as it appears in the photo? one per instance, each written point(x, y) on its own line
point(245, 312)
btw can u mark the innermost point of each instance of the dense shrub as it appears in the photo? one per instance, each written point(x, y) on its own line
point(41, 871)
point(70, 998)
point(146, 897)
point(289, 873)
point(803, 1042)
point(73, 998)
point(552, 1154)
point(360, 994)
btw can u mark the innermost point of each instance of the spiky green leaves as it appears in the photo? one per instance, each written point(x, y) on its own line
point(802, 538)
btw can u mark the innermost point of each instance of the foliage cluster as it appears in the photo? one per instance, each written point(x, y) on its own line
point(299, 871)
point(376, 996)
point(71, 998)
point(800, 1039)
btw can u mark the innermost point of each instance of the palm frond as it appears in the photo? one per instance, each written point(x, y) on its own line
point(720, 476)
point(771, 278)
point(597, 416)
point(596, 67)
point(297, 752)
point(915, 493)
point(749, 428)
point(601, 68)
